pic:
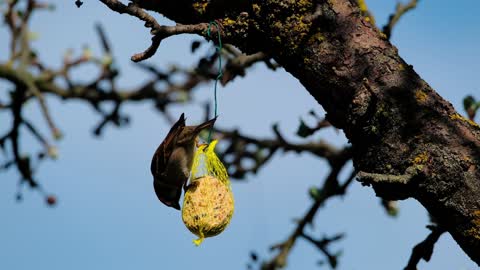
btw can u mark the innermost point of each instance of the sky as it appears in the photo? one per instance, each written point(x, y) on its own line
point(108, 216)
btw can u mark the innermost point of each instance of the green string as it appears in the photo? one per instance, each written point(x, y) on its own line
point(218, 50)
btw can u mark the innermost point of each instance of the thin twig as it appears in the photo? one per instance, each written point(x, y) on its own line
point(400, 10)
point(424, 249)
point(43, 106)
point(322, 245)
point(158, 31)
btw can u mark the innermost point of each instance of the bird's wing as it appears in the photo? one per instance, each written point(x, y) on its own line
point(164, 151)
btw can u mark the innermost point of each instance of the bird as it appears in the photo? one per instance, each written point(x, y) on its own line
point(172, 161)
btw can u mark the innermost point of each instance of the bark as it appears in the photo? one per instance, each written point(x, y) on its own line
point(407, 140)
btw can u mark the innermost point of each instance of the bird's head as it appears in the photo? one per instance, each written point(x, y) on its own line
point(189, 133)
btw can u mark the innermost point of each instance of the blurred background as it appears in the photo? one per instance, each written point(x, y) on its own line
point(107, 215)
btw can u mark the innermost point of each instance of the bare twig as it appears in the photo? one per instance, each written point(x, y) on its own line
point(424, 249)
point(322, 245)
point(36, 134)
point(400, 10)
point(158, 31)
point(11, 20)
point(22, 163)
point(330, 188)
point(319, 149)
point(103, 39)
point(43, 105)
point(236, 66)
point(262, 150)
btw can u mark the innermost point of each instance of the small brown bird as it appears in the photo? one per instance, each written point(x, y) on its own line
point(172, 161)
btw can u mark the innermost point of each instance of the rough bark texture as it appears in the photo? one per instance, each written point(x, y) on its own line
point(398, 125)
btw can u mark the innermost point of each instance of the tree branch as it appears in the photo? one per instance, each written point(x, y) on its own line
point(158, 31)
point(330, 188)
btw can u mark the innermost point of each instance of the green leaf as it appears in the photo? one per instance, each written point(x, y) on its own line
point(469, 103)
point(314, 193)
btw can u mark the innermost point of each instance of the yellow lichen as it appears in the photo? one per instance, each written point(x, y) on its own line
point(365, 12)
point(200, 7)
point(278, 25)
point(319, 37)
point(476, 217)
point(256, 8)
point(382, 111)
point(362, 5)
point(474, 231)
point(421, 159)
point(457, 116)
point(227, 22)
point(420, 96)
point(294, 29)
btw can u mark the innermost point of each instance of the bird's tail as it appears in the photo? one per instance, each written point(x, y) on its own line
point(205, 125)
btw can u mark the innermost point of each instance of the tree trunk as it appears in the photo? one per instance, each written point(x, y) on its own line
point(407, 140)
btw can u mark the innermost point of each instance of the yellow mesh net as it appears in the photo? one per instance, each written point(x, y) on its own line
point(208, 203)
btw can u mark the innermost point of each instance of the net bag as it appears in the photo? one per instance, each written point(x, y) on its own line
point(208, 202)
